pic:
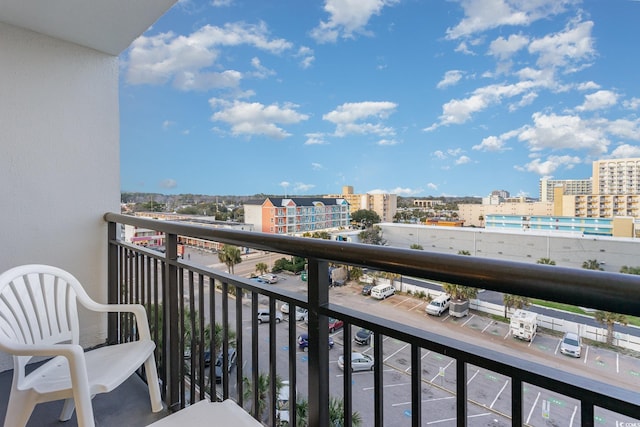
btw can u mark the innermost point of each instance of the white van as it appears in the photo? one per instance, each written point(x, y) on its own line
point(382, 291)
point(524, 324)
point(437, 306)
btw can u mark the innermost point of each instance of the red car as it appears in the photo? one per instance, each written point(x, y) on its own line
point(335, 324)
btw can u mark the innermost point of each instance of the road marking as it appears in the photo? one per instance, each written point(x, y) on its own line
point(617, 363)
point(413, 308)
point(448, 316)
point(499, 393)
point(468, 320)
point(386, 386)
point(444, 369)
point(508, 333)
point(401, 302)
point(486, 327)
point(446, 420)
point(575, 409)
point(533, 407)
point(473, 376)
point(557, 347)
point(586, 355)
point(396, 352)
point(437, 399)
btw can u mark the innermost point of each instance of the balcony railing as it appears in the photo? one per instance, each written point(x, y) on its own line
point(183, 299)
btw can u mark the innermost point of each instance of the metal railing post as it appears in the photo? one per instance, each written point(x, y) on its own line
point(112, 281)
point(318, 280)
point(171, 322)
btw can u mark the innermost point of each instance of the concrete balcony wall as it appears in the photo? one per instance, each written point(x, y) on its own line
point(60, 158)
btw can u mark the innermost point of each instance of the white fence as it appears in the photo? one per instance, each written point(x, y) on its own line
point(628, 341)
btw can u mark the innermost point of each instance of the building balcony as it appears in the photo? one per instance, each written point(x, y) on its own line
point(186, 300)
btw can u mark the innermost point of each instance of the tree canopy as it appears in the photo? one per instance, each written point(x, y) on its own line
point(365, 217)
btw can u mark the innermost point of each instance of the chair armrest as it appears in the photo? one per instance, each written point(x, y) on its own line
point(138, 310)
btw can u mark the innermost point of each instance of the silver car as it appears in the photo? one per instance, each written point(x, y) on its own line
point(571, 344)
point(359, 362)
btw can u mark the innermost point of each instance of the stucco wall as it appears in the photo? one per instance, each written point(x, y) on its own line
point(59, 166)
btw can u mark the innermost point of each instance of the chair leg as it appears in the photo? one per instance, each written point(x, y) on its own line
point(152, 383)
point(19, 409)
point(67, 410)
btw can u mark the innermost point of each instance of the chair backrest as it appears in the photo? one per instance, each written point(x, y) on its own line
point(37, 306)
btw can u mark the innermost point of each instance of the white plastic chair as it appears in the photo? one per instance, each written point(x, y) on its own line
point(38, 317)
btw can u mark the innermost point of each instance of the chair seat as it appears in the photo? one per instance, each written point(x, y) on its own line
point(226, 413)
point(107, 367)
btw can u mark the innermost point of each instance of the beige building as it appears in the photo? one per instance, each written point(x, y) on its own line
point(384, 204)
point(616, 176)
point(571, 187)
point(471, 213)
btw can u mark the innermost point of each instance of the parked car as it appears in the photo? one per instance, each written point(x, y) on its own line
point(571, 344)
point(363, 336)
point(269, 278)
point(285, 308)
point(265, 316)
point(303, 342)
point(301, 313)
point(359, 362)
point(232, 362)
point(335, 324)
point(366, 289)
point(438, 305)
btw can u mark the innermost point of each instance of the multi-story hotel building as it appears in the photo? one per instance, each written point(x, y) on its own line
point(616, 176)
point(573, 187)
point(384, 204)
point(297, 215)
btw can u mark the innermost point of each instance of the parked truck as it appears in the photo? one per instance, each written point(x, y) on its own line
point(524, 324)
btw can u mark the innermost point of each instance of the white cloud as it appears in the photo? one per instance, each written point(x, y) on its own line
point(168, 183)
point(388, 142)
point(256, 119)
point(625, 151)
point(347, 18)
point(463, 160)
point(566, 48)
point(307, 56)
point(432, 186)
point(316, 166)
point(186, 61)
point(167, 124)
point(450, 78)
point(548, 167)
point(632, 104)
point(302, 187)
point(554, 132)
point(504, 48)
point(348, 118)
point(598, 100)
point(438, 154)
point(588, 86)
point(491, 143)
point(261, 71)
point(621, 128)
point(481, 15)
point(315, 139)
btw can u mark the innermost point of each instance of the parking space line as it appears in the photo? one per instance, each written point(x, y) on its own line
point(499, 393)
point(617, 363)
point(586, 355)
point(386, 386)
point(468, 320)
point(424, 401)
point(444, 369)
point(413, 308)
point(446, 317)
point(508, 333)
point(444, 420)
point(396, 352)
point(401, 302)
point(486, 327)
point(573, 416)
point(557, 347)
point(473, 376)
point(533, 407)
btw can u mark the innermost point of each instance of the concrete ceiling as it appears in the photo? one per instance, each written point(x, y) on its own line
point(108, 26)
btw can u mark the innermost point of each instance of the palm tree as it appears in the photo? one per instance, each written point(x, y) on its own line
point(547, 261)
point(517, 301)
point(417, 246)
point(481, 219)
point(464, 252)
point(459, 292)
point(230, 256)
point(609, 319)
point(262, 268)
point(263, 387)
point(336, 413)
point(592, 264)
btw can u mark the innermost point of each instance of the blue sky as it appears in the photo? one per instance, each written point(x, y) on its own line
point(412, 97)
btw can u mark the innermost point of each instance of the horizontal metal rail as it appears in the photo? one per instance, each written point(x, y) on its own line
point(599, 290)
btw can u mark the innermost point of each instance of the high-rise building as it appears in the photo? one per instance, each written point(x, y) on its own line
point(616, 176)
point(384, 204)
point(571, 187)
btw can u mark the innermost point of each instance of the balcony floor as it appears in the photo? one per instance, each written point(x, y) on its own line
point(128, 405)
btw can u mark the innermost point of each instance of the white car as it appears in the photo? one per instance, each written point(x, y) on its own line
point(571, 344)
point(359, 362)
point(269, 278)
point(301, 313)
